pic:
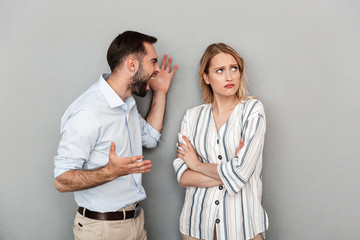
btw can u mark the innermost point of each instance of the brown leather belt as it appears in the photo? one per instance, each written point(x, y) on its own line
point(111, 216)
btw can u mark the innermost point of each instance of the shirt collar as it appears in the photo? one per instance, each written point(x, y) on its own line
point(111, 96)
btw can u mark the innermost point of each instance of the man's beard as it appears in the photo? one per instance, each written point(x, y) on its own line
point(139, 82)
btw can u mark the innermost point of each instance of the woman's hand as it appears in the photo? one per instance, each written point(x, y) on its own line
point(188, 154)
point(241, 145)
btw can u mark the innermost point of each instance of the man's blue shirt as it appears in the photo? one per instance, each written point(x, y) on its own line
point(94, 120)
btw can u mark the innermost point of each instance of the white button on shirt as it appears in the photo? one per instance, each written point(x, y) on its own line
point(94, 120)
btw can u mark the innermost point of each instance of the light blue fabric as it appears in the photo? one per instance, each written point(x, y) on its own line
point(94, 120)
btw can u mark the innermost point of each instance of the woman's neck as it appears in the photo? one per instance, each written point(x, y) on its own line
point(224, 105)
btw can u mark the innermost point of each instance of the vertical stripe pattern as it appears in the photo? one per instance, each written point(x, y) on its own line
point(239, 214)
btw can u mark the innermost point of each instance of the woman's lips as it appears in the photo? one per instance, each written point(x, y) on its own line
point(229, 85)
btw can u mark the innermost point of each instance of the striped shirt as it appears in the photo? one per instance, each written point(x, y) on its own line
point(235, 208)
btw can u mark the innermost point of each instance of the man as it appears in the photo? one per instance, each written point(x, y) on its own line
point(105, 118)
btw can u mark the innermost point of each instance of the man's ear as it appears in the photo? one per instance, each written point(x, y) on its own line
point(206, 78)
point(132, 64)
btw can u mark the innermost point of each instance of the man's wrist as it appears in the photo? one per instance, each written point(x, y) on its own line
point(160, 93)
point(108, 173)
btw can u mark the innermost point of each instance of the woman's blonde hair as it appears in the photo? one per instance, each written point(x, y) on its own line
point(211, 51)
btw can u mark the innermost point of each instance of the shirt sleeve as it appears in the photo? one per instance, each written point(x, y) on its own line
point(149, 135)
point(236, 172)
point(79, 133)
point(179, 164)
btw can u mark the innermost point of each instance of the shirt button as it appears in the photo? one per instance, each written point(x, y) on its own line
point(220, 157)
point(217, 202)
point(221, 187)
point(217, 220)
point(217, 141)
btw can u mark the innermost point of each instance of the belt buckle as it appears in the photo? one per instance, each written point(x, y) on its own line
point(137, 211)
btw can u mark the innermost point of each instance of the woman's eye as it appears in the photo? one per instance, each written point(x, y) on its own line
point(234, 68)
point(219, 71)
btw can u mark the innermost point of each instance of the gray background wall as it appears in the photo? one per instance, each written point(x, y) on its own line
point(303, 63)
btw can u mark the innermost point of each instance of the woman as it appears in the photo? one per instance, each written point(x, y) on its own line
point(219, 158)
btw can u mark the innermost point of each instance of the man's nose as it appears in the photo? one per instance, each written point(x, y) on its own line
point(157, 68)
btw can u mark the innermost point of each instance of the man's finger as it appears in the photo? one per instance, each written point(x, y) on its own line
point(138, 165)
point(142, 171)
point(163, 62)
point(168, 65)
point(130, 160)
point(142, 165)
point(112, 150)
point(174, 70)
point(138, 157)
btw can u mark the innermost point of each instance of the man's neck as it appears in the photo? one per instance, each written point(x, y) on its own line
point(120, 85)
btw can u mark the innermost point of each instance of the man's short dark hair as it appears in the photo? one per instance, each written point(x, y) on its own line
point(125, 44)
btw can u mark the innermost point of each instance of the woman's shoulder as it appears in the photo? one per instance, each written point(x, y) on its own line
point(195, 110)
point(198, 108)
point(252, 105)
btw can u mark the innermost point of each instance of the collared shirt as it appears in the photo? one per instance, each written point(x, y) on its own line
point(235, 207)
point(94, 120)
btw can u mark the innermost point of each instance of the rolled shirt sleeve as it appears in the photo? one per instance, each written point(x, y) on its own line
point(149, 135)
point(79, 133)
point(236, 172)
point(179, 165)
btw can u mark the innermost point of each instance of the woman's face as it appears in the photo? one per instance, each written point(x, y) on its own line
point(223, 75)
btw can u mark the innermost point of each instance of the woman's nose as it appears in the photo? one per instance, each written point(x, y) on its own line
point(228, 76)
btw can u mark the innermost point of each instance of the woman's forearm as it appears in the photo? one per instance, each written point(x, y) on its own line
point(192, 178)
point(208, 169)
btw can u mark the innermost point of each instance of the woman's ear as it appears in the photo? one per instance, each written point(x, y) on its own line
point(206, 78)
